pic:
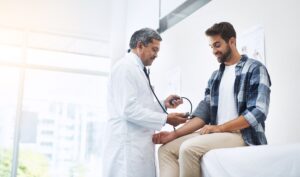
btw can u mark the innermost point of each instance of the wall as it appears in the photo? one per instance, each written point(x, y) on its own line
point(84, 18)
point(185, 46)
point(127, 17)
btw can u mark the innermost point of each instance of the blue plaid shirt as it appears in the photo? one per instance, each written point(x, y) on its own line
point(252, 98)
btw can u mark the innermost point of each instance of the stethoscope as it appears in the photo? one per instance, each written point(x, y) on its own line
point(188, 114)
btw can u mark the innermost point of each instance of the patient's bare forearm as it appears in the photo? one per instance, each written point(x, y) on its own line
point(190, 127)
point(235, 124)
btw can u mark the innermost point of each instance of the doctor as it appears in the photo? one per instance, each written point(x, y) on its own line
point(134, 115)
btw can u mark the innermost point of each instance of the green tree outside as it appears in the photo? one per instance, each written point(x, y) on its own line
point(31, 164)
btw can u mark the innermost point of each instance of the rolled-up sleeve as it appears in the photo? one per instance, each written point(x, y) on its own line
point(202, 112)
point(203, 109)
point(258, 96)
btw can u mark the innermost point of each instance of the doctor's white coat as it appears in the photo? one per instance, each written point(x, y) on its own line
point(133, 118)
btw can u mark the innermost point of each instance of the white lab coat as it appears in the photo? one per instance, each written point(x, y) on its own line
point(134, 116)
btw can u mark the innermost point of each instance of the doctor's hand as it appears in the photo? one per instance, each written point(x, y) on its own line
point(163, 137)
point(173, 101)
point(176, 118)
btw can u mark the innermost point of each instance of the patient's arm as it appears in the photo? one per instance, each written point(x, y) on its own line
point(232, 125)
point(235, 124)
point(189, 127)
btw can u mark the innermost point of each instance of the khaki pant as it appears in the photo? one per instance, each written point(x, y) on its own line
point(181, 157)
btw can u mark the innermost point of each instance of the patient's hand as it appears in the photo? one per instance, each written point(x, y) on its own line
point(210, 129)
point(163, 137)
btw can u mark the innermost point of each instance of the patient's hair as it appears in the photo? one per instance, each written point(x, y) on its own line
point(224, 29)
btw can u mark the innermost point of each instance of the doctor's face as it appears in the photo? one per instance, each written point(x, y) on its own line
point(149, 53)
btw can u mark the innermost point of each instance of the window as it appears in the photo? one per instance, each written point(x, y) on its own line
point(9, 78)
point(57, 84)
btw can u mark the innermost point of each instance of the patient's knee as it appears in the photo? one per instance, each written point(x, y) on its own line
point(187, 150)
point(161, 150)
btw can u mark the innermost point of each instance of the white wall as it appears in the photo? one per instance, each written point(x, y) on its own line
point(76, 17)
point(141, 14)
point(185, 46)
point(118, 29)
point(127, 17)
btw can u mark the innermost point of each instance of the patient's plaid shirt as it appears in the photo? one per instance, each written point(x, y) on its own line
point(252, 98)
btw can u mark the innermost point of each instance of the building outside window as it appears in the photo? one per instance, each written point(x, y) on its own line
point(52, 103)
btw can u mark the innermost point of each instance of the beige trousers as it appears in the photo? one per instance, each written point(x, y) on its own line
point(181, 157)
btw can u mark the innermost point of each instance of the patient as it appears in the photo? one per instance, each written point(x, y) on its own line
point(232, 114)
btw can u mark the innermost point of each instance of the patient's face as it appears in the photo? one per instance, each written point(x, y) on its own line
point(220, 48)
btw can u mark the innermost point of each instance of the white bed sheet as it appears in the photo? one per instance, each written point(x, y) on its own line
point(253, 161)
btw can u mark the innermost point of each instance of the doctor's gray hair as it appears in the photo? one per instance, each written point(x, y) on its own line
point(145, 36)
